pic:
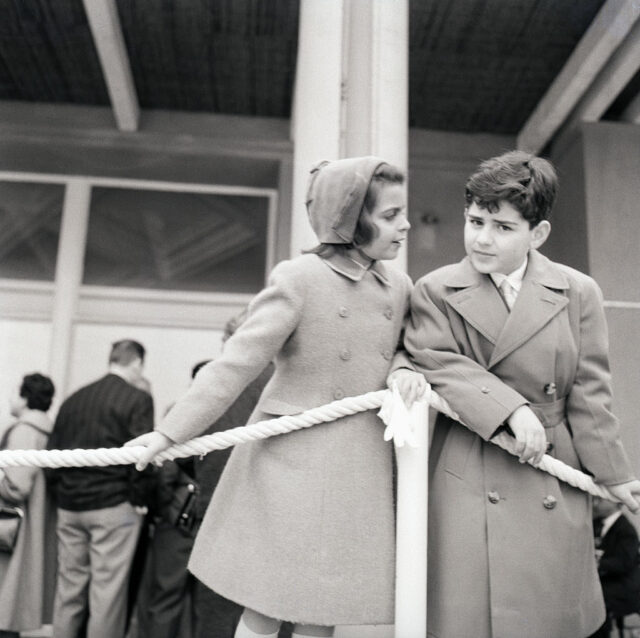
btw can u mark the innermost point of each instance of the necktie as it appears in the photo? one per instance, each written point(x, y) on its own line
point(508, 292)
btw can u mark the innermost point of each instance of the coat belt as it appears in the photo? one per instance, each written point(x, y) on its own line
point(550, 414)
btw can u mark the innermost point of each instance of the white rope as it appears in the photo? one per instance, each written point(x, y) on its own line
point(265, 429)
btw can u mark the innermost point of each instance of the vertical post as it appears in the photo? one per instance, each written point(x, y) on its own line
point(376, 83)
point(411, 529)
point(69, 268)
point(316, 104)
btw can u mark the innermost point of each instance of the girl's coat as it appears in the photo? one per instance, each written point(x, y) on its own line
point(301, 525)
point(510, 547)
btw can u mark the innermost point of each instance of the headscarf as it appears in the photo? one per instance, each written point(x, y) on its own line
point(336, 194)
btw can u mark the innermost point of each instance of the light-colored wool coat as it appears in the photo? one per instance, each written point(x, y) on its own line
point(301, 526)
point(27, 576)
point(511, 548)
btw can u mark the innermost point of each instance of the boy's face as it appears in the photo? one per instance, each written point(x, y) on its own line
point(389, 216)
point(499, 242)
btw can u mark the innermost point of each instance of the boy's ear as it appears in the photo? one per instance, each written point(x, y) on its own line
point(540, 233)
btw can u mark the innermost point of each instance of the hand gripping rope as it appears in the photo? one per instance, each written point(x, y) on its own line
point(412, 478)
point(265, 429)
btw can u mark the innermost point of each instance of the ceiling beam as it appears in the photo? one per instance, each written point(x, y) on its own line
point(607, 31)
point(107, 35)
point(621, 68)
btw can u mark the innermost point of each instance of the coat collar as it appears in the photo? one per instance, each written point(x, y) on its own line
point(354, 271)
point(540, 269)
point(38, 419)
point(477, 299)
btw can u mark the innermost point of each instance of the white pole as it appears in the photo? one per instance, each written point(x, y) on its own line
point(69, 268)
point(411, 529)
point(317, 98)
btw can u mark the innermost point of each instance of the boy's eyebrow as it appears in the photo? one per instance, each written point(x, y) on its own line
point(497, 220)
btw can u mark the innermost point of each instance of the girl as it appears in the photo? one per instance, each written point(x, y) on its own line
point(300, 527)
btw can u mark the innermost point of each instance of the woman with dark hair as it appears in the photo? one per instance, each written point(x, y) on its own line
point(25, 592)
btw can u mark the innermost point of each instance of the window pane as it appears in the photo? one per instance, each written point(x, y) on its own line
point(179, 241)
point(30, 216)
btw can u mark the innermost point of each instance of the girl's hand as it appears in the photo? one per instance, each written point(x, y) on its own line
point(155, 442)
point(411, 385)
point(529, 433)
point(628, 493)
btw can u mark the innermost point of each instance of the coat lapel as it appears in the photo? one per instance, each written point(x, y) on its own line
point(540, 299)
point(478, 301)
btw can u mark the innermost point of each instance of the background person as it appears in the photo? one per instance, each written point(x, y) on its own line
point(27, 575)
point(618, 563)
point(98, 523)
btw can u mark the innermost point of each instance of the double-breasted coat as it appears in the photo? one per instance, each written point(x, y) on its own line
point(510, 547)
point(27, 575)
point(301, 525)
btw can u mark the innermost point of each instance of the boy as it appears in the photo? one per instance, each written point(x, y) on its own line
point(510, 547)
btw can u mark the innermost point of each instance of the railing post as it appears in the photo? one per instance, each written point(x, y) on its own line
point(411, 529)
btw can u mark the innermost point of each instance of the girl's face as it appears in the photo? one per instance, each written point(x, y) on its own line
point(499, 242)
point(389, 216)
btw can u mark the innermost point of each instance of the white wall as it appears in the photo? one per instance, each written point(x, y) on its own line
point(171, 354)
point(24, 349)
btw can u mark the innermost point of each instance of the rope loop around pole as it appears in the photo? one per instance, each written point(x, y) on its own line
point(102, 457)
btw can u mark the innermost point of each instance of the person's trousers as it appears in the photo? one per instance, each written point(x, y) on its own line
point(95, 550)
point(165, 602)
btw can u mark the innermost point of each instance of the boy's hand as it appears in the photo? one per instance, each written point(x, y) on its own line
point(155, 442)
point(529, 433)
point(411, 385)
point(628, 493)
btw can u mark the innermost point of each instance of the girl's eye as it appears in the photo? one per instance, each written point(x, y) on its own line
point(475, 222)
point(504, 228)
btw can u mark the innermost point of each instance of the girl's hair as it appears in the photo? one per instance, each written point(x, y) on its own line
point(527, 182)
point(38, 390)
point(365, 231)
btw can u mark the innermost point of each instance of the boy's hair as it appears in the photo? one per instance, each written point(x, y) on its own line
point(125, 351)
point(527, 182)
point(38, 390)
point(365, 230)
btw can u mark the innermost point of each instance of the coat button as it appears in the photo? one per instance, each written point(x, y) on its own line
point(344, 311)
point(388, 355)
point(550, 388)
point(345, 355)
point(493, 497)
point(485, 390)
point(388, 313)
point(549, 502)
point(338, 394)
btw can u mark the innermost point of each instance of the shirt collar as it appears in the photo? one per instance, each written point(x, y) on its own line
point(351, 269)
point(515, 278)
point(608, 522)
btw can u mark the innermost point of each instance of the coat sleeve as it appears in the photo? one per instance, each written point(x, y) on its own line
point(480, 398)
point(17, 482)
point(595, 430)
point(272, 317)
point(402, 359)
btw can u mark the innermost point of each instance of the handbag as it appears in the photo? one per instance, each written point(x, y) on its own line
point(10, 521)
